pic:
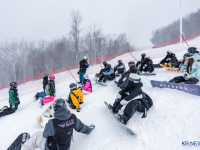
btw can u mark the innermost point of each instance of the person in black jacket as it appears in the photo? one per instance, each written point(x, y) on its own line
point(119, 68)
point(58, 132)
point(142, 60)
point(146, 66)
point(13, 101)
point(83, 67)
point(135, 100)
point(124, 76)
point(170, 58)
point(45, 82)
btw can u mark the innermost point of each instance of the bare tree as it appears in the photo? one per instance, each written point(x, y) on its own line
point(75, 23)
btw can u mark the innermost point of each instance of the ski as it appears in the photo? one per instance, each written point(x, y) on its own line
point(19, 141)
point(127, 129)
point(188, 88)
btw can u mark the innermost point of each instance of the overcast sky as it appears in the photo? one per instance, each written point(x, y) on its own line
point(48, 19)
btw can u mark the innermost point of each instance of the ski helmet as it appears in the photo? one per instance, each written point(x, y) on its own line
point(58, 104)
point(73, 86)
point(108, 66)
point(192, 50)
point(104, 63)
point(143, 55)
point(51, 77)
point(119, 61)
point(13, 84)
point(188, 56)
point(46, 75)
point(131, 64)
point(135, 78)
point(86, 76)
point(85, 57)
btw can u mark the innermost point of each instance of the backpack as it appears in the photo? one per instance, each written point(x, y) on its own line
point(150, 101)
point(47, 89)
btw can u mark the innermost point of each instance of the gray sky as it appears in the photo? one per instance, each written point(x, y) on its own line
point(47, 19)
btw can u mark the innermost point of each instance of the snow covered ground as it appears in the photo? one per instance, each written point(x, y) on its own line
point(173, 118)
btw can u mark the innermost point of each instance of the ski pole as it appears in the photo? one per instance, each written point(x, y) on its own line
point(132, 55)
point(71, 74)
point(99, 62)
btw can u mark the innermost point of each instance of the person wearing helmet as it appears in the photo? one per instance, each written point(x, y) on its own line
point(146, 66)
point(190, 69)
point(107, 74)
point(98, 75)
point(87, 85)
point(75, 97)
point(50, 91)
point(170, 58)
point(83, 67)
point(58, 132)
point(142, 60)
point(124, 76)
point(195, 53)
point(120, 68)
point(45, 82)
point(133, 98)
point(13, 100)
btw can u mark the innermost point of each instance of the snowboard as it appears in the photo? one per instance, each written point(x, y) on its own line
point(19, 141)
point(127, 129)
point(46, 115)
point(172, 69)
point(101, 83)
point(188, 88)
point(145, 74)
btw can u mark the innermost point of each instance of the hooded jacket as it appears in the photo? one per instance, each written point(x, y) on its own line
point(59, 131)
point(75, 97)
point(13, 95)
point(83, 65)
point(87, 86)
point(195, 69)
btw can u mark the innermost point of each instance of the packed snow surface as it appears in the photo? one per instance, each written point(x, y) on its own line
point(173, 118)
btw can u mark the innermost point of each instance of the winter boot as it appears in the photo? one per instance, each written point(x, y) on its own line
point(37, 96)
point(122, 119)
point(41, 102)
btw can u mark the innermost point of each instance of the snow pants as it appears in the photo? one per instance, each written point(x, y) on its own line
point(36, 141)
point(180, 79)
point(9, 111)
point(81, 74)
point(106, 77)
point(48, 99)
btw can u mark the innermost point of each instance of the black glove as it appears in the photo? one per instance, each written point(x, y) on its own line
point(118, 108)
point(92, 126)
point(80, 102)
point(78, 109)
point(18, 102)
point(78, 72)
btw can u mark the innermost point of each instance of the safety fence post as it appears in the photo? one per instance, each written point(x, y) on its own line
point(71, 74)
point(41, 74)
point(184, 40)
point(99, 62)
point(132, 55)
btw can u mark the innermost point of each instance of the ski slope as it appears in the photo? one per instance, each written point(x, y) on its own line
point(173, 118)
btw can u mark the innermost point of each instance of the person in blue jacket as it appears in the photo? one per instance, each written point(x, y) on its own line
point(83, 67)
point(107, 74)
point(195, 53)
point(191, 70)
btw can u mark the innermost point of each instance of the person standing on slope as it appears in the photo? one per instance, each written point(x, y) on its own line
point(58, 132)
point(13, 101)
point(50, 91)
point(75, 97)
point(83, 67)
point(133, 98)
point(190, 69)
